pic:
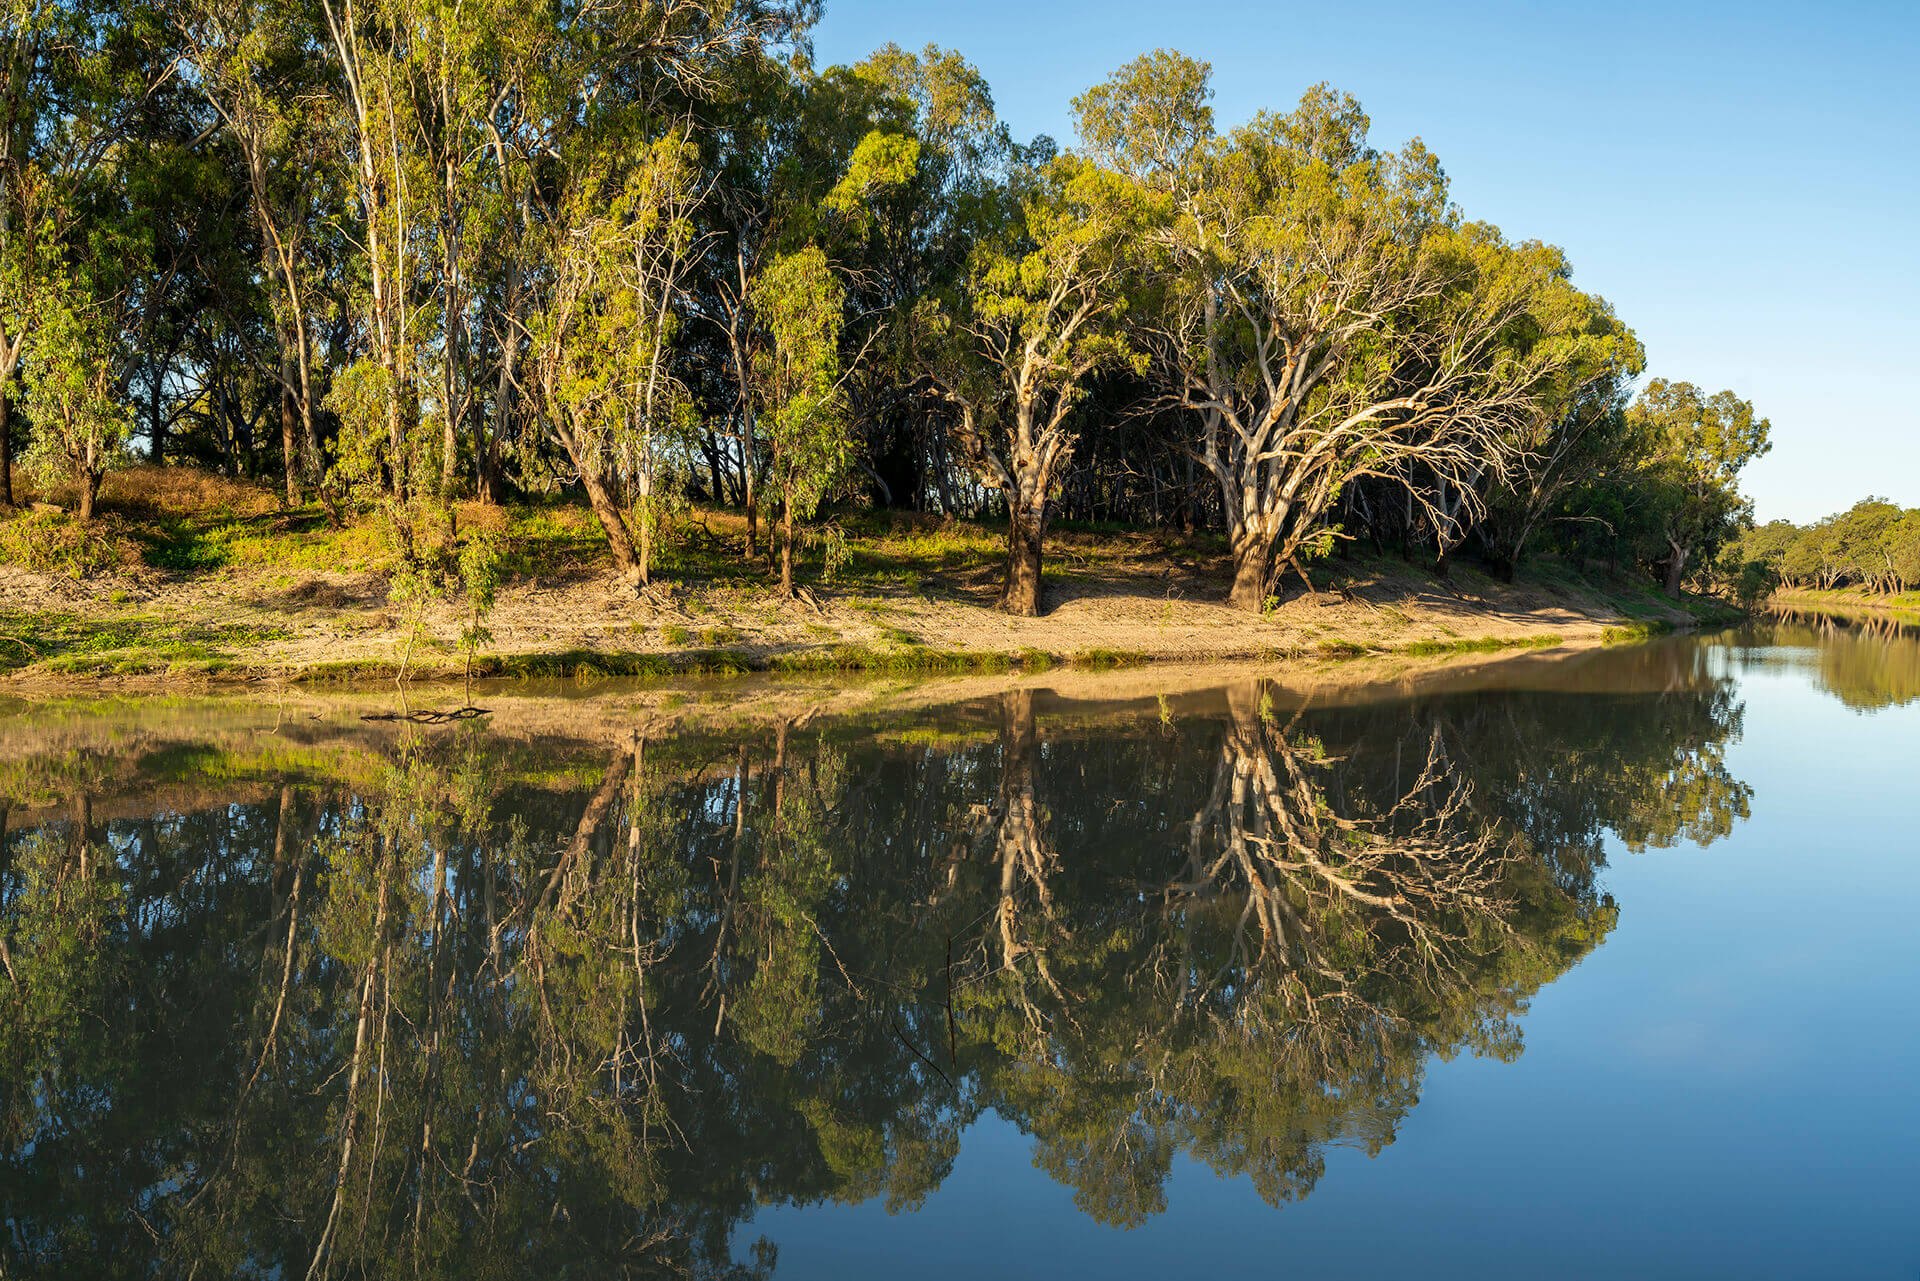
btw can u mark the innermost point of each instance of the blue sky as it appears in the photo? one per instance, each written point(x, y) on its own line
point(1741, 180)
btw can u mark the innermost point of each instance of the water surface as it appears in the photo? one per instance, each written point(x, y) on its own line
point(1592, 965)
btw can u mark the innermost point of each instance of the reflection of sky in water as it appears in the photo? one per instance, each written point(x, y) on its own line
point(1726, 1088)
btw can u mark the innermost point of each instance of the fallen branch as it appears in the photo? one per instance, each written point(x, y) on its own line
point(425, 717)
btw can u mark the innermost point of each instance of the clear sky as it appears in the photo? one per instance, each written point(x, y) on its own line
point(1742, 180)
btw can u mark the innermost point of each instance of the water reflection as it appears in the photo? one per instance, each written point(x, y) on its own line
point(458, 1003)
point(1868, 661)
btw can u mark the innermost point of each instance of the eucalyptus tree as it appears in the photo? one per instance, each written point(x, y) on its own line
point(260, 66)
point(768, 171)
point(372, 42)
point(561, 84)
point(31, 169)
point(81, 422)
point(1325, 318)
point(1697, 445)
point(597, 349)
point(802, 400)
point(911, 247)
point(1044, 310)
point(73, 78)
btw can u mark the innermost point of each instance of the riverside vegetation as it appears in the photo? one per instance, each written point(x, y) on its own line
point(410, 312)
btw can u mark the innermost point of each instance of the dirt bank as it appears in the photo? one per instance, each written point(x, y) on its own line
point(64, 633)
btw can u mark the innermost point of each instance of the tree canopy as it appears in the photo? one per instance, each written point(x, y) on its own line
point(392, 254)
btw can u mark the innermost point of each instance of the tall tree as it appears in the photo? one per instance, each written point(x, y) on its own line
point(1325, 319)
point(259, 65)
point(1697, 445)
point(803, 403)
point(1043, 312)
point(1574, 431)
point(75, 375)
point(597, 348)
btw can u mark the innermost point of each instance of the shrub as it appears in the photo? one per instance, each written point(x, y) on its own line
point(56, 543)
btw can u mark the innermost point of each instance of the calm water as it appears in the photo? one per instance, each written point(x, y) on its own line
point(1590, 966)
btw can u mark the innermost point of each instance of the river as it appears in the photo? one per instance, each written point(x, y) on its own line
point(1583, 964)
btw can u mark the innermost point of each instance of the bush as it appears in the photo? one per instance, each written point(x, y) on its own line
point(56, 543)
point(1755, 582)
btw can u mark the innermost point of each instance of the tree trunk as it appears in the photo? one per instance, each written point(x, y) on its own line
point(1676, 567)
point(753, 503)
point(1021, 594)
point(486, 441)
point(449, 456)
point(646, 524)
point(786, 544)
point(289, 445)
point(1250, 567)
point(6, 447)
point(89, 479)
point(625, 558)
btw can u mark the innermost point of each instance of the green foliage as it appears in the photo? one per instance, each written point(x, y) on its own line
point(1874, 545)
point(432, 567)
point(130, 644)
point(1696, 446)
point(801, 303)
point(1755, 582)
point(56, 543)
point(81, 423)
point(1645, 629)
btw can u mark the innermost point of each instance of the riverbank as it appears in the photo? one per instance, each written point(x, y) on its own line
point(1848, 601)
point(213, 583)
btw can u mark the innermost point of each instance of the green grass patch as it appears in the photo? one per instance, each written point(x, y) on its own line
point(128, 645)
point(57, 543)
point(571, 664)
point(1482, 645)
point(912, 659)
point(1639, 630)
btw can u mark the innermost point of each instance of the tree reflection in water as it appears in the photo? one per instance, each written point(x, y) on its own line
point(450, 1004)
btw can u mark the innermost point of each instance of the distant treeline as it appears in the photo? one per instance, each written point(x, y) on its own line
point(398, 252)
point(1873, 545)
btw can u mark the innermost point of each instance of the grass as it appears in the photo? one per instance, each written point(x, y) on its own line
point(1482, 645)
point(1643, 629)
point(128, 645)
point(572, 664)
point(1851, 598)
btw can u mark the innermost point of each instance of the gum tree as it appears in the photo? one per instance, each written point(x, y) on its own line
point(799, 380)
point(81, 420)
point(1697, 445)
point(1575, 431)
point(1043, 313)
point(255, 65)
point(597, 363)
point(1324, 318)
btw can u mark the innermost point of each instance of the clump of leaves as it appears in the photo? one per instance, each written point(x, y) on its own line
point(835, 550)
